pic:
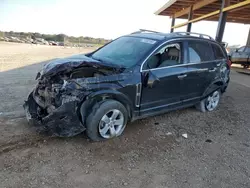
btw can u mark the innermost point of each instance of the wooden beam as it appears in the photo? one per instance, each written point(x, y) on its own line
point(198, 19)
point(242, 11)
point(196, 6)
point(234, 20)
point(230, 15)
point(164, 7)
point(238, 18)
point(230, 19)
point(237, 6)
point(229, 8)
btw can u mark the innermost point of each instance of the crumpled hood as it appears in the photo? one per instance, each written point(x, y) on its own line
point(69, 63)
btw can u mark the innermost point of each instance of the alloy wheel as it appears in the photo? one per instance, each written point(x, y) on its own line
point(213, 101)
point(111, 124)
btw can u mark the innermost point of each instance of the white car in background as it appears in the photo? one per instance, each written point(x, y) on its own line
point(241, 56)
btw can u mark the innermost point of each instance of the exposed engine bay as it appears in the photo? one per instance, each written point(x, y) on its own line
point(53, 105)
point(51, 93)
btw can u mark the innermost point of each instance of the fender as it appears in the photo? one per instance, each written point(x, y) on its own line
point(217, 84)
point(101, 95)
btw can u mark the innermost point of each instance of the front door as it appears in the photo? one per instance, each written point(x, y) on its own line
point(161, 78)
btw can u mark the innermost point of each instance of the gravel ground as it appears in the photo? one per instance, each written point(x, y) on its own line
point(151, 152)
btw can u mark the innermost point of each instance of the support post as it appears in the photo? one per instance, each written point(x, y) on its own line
point(172, 24)
point(222, 21)
point(190, 17)
point(248, 39)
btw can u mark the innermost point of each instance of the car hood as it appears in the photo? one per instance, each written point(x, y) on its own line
point(68, 64)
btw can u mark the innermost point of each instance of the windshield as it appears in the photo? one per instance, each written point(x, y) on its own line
point(124, 51)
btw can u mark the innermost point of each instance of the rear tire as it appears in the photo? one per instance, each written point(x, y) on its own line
point(210, 103)
point(108, 116)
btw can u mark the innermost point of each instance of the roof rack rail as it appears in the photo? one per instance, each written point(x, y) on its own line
point(145, 30)
point(195, 34)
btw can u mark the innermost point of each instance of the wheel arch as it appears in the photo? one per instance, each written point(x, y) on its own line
point(218, 84)
point(93, 98)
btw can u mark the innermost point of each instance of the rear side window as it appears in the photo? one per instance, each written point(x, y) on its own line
point(200, 51)
point(218, 53)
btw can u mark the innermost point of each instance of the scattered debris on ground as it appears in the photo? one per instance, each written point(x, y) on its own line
point(185, 135)
point(147, 155)
point(209, 141)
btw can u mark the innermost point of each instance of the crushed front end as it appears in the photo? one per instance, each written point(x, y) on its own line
point(63, 84)
point(51, 108)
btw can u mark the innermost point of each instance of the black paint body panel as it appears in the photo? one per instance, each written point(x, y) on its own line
point(143, 93)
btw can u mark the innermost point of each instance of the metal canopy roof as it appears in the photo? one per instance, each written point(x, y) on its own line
point(180, 9)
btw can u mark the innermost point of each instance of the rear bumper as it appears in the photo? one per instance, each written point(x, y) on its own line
point(63, 122)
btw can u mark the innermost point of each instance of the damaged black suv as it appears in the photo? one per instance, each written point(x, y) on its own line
point(135, 76)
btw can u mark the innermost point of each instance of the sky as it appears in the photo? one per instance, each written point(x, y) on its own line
point(100, 18)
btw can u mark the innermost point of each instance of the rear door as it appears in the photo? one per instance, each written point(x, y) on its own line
point(200, 70)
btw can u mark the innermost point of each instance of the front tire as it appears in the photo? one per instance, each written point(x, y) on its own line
point(107, 120)
point(210, 103)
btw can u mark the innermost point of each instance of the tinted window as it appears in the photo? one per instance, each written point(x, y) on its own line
point(200, 51)
point(194, 57)
point(218, 53)
point(125, 51)
point(169, 55)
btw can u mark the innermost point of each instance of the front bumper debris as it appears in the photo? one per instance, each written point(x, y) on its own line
point(62, 122)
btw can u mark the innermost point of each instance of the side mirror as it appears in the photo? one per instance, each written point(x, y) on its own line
point(151, 79)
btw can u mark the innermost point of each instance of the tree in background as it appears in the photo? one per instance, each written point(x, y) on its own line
point(55, 37)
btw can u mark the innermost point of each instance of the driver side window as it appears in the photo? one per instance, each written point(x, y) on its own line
point(166, 56)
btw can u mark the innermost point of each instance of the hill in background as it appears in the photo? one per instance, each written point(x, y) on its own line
point(52, 39)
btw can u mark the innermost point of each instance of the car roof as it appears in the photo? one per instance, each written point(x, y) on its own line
point(167, 36)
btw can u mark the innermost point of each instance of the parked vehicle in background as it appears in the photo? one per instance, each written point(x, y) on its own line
point(135, 76)
point(241, 56)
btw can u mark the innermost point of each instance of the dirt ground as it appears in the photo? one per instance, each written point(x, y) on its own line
point(150, 154)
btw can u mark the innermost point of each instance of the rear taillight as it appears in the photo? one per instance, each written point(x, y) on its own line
point(229, 63)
